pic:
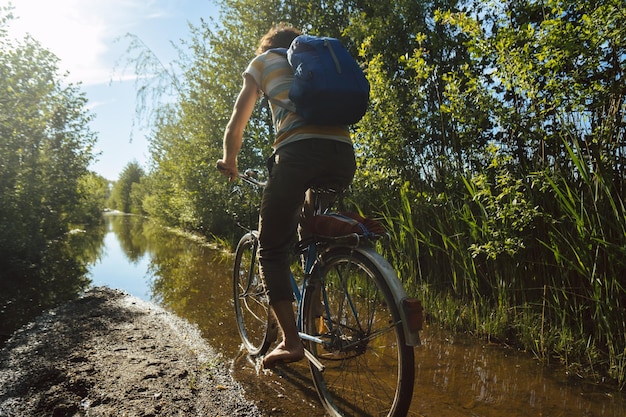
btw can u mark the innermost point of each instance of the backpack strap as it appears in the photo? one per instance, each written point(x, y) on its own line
point(279, 51)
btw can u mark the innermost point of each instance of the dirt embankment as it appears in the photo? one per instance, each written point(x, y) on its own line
point(110, 354)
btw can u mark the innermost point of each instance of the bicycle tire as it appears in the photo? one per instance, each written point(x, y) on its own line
point(255, 323)
point(369, 369)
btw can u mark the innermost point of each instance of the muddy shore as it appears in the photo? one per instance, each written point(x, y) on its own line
point(111, 354)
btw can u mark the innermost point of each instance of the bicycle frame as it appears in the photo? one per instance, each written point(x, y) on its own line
point(298, 292)
point(400, 297)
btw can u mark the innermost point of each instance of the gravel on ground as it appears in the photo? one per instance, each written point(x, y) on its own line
point(111, 354)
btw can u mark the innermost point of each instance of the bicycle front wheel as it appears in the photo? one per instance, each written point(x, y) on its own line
point(369, 370)
point(256, 325)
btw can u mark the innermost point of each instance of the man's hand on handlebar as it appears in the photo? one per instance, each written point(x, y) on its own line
point(227, 170)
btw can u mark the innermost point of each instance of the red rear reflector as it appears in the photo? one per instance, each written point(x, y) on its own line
point(413, 312)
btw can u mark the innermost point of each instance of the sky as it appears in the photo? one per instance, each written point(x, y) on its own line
point(88, 36)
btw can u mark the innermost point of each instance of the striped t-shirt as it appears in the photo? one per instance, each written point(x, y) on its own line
point(273, 74)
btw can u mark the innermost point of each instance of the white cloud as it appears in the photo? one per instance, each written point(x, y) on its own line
point(82, 33)
point(93, 104)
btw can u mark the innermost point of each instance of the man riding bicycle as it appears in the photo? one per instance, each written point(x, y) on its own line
point(303, 152)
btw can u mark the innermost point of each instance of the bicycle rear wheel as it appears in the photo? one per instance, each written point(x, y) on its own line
point(256, 325)
point(369, 370)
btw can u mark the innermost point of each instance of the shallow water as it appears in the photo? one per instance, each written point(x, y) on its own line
point(455, 375)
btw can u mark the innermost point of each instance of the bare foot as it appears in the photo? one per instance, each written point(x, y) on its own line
point(283, 354)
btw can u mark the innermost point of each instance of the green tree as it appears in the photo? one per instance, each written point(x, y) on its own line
point(124, 194)
point(45, 147)
point(45, 192)
point(185, 189)
point(94, 191)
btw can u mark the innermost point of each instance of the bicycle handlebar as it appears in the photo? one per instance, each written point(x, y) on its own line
point(249, 176)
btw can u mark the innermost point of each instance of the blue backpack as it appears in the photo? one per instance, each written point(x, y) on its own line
point(329, 87)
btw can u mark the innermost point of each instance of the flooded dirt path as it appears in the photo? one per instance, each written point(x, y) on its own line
point(455, 375)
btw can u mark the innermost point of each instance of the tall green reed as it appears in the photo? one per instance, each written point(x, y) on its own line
point(538, 261)
point(587, 241)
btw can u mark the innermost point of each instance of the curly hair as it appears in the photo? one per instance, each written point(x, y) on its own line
point(280, 36)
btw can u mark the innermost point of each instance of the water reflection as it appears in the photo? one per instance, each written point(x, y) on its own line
point(191, 280)
point(455, 376)
point(174, 271)
point(194, 281)
point(458, 377)
point(124, 260)
point(56, 276)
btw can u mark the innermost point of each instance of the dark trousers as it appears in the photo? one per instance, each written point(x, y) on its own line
point(292, 169)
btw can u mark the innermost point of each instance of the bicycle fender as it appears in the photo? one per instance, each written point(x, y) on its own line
point(397, 290)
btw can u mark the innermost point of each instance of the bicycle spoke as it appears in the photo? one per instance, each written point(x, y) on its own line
point(250, 300)
point(252, 311)
point(363, 349)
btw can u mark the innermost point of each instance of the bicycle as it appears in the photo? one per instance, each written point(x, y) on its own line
point(355, 320)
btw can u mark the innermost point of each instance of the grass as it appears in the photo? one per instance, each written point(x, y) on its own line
point(537, 262)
